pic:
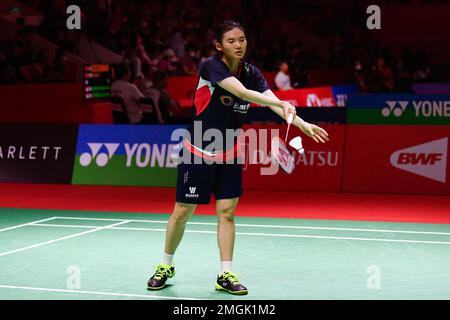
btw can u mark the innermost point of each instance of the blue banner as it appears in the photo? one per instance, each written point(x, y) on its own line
point(341, 93)
point(376, 101)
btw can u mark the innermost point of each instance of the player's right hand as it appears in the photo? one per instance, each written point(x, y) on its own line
point(287, 109)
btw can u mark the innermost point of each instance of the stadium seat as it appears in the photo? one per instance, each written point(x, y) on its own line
point(119, 111)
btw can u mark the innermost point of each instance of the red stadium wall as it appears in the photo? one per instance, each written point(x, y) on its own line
point(397, 159)
point(50, 103)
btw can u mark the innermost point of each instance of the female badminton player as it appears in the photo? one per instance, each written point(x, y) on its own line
point(226, 86)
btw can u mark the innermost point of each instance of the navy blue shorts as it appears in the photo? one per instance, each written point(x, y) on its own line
point(196, 182)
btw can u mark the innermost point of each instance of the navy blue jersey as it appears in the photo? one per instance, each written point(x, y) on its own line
point(217, 108)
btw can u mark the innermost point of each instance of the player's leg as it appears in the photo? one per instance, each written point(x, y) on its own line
point(176, 226)
point(174, 233)
point(225, 209)
point(227, 191)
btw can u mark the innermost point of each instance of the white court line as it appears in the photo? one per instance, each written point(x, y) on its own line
point(97, 219)
point(62, 238)
point(114, 228)
point(273, 226)
point(341, 238)
point(65, 226)
point(258, 234)
point(26, 224)
point(98, 293)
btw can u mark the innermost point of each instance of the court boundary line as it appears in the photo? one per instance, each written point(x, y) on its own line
point(260, 234)
point(61, 238)
point(97, 293)
point(26, 224)
point(269, 226)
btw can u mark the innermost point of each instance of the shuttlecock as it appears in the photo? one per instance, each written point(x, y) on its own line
point(296, 143)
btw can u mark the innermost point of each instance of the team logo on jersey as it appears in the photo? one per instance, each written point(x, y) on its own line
point(227, 100)
point(241, 108)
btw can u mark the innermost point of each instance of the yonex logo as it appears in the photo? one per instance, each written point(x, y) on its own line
point(192, 190)
point(101, 159)
point(428, 159)
point(422, 108)
point(394, 107)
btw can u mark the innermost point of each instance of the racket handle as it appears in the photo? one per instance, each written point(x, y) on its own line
point(290, 118)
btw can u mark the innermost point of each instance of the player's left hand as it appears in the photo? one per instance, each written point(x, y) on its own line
point(315, 132)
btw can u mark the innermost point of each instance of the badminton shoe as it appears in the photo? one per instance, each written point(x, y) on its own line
point(158, 280)
point(229, 282)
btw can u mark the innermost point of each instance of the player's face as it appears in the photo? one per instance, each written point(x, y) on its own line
point(234, 44)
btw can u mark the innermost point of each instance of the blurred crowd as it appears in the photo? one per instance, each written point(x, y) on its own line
point(23, 62)
point(177, 36)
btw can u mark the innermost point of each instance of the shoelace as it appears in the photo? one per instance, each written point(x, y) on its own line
point(231, 276)
point(161, 271)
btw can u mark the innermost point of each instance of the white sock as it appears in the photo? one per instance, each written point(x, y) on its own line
point(225, 266)
point(167, 259)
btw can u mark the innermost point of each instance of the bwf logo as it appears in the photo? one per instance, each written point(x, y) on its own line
point(427, 160)
point(101, 158)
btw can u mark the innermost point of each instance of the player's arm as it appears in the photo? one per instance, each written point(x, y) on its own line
point(297, 120)
point(234, 86)
point(311, 130)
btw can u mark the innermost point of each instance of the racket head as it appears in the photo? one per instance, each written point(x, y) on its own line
point(281, 154)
